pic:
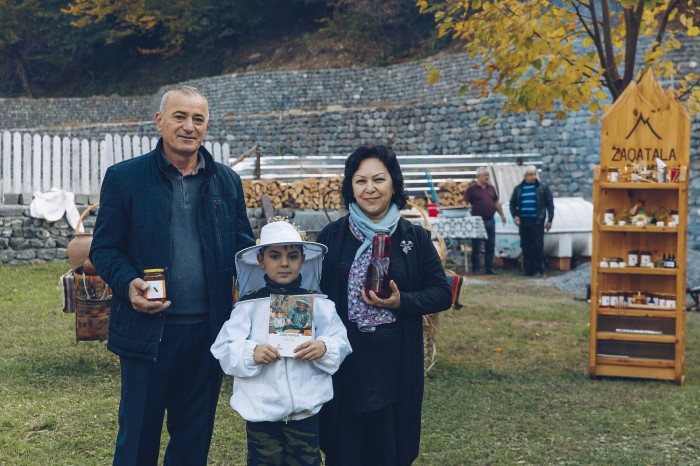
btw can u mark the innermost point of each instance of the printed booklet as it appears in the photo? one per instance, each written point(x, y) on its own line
point(291, 322)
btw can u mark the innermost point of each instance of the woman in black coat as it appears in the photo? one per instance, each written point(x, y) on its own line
point(374, 417)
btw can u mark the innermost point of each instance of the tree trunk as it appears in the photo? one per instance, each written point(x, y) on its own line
point(22, 72)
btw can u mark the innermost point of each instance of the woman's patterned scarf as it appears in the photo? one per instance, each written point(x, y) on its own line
point(365, 316)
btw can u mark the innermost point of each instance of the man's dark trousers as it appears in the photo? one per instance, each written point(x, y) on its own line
point(532, 245)
point(186, 381)
point(489, 247)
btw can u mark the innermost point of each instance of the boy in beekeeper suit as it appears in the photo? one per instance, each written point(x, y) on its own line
point(280, 397)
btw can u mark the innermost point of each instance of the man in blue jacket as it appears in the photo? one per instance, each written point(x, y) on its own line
point(532, 208)
point(173, 208)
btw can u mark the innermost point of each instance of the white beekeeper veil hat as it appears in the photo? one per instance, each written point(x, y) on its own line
point(250, 275)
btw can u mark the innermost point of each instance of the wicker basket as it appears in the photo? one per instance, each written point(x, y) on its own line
point(430, 321)
point(91, 301)
point(91, 318)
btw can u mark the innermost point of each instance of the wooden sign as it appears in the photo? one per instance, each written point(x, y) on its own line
point(643, 125)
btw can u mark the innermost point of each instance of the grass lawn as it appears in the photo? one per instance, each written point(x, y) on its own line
point(509, 386)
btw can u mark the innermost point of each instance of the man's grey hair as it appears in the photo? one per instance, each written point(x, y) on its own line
point(481, 170)
point(530, 169)
point(189, 90)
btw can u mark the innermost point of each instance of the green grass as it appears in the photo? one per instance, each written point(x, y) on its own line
point(509, 386)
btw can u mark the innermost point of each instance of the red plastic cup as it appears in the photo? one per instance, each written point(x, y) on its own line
point(432, 209)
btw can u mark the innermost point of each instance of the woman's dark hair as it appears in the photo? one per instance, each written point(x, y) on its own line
point(384, 154)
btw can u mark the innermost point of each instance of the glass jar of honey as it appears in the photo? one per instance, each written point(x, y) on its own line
point(674, 216)
point(633, 258)
point(609, 216)
point(155, 278)
point(639, 298)
point(671, 300)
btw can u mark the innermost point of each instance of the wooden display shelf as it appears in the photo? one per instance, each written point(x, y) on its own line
point(643, 126)
point(637, 271)
point(636, 229)
point(654, 311)
point(623, 360)
point(639, 185)
point(629, 336)
point(640, 368)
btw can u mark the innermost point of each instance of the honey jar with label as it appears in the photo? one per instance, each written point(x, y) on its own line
point(633, 258)
point(609, 216)
point(155, 278)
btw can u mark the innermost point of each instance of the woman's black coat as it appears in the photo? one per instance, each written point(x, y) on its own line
point(420, 277)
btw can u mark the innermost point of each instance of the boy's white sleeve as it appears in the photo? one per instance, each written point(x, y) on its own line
point(330, 330)
point(232, 347)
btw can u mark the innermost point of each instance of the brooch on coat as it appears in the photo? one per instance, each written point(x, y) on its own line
point(406, 246)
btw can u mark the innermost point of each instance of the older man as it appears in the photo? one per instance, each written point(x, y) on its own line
point(176, 209)
point(532, 208)
point(484, 201)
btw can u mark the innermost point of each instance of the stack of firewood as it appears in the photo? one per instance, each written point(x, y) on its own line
point(451, 194)
point(254, 189)
point(307, 193)
point(315, 193)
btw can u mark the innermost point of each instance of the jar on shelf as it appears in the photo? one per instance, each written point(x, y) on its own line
point(633, 258)
point(613, 174)
point(651, 298)
point(644, 258)
point(604, 299)
point(674, 216)
point(639, 298)
point(671, 300)
point(621, 299)
point(609, 216)
point(614, 302)
point(629, 297)
point(660, 174)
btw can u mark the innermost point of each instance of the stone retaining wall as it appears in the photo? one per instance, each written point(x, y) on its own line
point(62, 113)
point(25, 240)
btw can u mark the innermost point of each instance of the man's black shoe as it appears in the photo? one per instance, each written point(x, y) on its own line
point(491, 272)
point(537, 274)
point(527, 274)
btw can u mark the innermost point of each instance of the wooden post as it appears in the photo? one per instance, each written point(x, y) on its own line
point(258, 155)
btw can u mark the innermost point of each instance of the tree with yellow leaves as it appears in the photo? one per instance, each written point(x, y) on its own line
point(538, 53)
point(158, 27)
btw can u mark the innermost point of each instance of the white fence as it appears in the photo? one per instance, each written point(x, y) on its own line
point(32, 162)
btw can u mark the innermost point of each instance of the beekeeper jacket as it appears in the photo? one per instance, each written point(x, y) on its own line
point(286, 389)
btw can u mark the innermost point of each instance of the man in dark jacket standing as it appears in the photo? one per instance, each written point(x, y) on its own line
point(176, 209)
point(532, 208)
